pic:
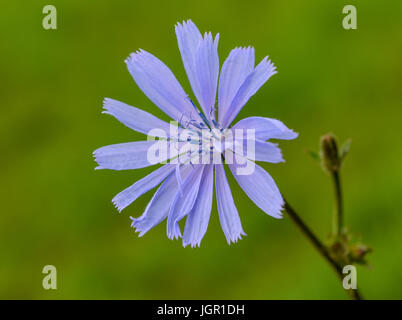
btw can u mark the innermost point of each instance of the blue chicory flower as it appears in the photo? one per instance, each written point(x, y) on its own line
point(186, 189)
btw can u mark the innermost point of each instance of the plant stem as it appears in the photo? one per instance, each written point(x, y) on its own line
point(338, 204)
point(321, 248)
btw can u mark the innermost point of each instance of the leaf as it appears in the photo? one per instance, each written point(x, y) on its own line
point(345, 148)
point(314, 155)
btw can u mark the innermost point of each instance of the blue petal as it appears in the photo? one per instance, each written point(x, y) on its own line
point(253, 82)
point(134, 118)
point(159, 84)
point(179, 178)
point(266, 128)
point(201, 62)
point(123, 156)
point(267, 152)
point(261, 189)
point(131, 155)
point(198, 219)
point(188, 39)
point(159, 206)
point(228, 215)
point(237, 66)
point(129, 195)
point(182, 204)
point(207, 68)
point(263, 151)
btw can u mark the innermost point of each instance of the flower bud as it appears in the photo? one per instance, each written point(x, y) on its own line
point(329, 153)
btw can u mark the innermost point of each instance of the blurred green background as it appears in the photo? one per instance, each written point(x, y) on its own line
point(56, 209)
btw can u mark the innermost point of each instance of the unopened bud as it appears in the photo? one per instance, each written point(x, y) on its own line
point(329, 153)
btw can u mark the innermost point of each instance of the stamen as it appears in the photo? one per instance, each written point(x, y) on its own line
point(200, 114)
point(212, 113)
point(216, 124)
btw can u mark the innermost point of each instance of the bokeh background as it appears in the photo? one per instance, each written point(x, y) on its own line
point(56, 209)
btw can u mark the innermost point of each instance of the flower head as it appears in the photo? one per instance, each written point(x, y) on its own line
point(201, 141)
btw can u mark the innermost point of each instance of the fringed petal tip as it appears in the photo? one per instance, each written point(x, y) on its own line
point(117, 205)
point(277, 210)
point(174, 234)
point(234, 238)
point(189, 26)
point(137, 55)
point(270, 65)
point(192, 245)
point(107, 104)
point(95, 156)
point(278, 214)
point(134, 225)
point(184, 24)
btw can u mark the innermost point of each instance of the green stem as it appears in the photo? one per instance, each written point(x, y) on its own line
point(338, 204)
point(321, 248)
